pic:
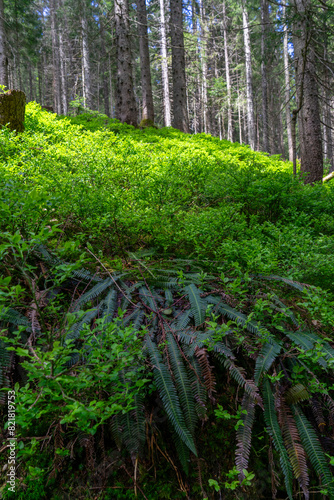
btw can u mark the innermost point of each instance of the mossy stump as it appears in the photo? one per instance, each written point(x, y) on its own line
point(12, 109)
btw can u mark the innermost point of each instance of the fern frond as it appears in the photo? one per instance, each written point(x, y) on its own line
point(312, 445)
point(318, 413)
point(306, 341)
point(249, 385)
point(197, 303)
point(183, 320)
point(4, 361)
point(182, 451)
point(109, 306)
point(294, 447)
point(207, 372)
point(169, 395)
point(296, 393)
point(198, 387)
point(265, 359)
point(168, 298)
point(182, 384)
point(293, 284)
point(150, 298)
point(274, 431)
point(244, 435)
point(77, 327)
point(93, 293)
point(15, 318)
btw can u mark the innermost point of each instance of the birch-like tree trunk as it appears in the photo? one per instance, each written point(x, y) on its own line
point(164, 67)
point(3, 56)
point(86, 78)
point(104, 68)
point(309, 113)
point(228, 79)
point(287, 89)
point(178, 68)
point(63, 72)
point(145, 68)
point(126, 108)
point(55, 58)
point(264, 80)
point(204, 63)
point(249, 78)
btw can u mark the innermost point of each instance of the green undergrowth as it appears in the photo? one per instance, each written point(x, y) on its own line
point(124, 189)
point(166, 315)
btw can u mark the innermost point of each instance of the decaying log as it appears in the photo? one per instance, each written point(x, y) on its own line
point(328, 177)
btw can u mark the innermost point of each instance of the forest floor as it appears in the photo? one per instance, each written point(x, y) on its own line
point(151, 277)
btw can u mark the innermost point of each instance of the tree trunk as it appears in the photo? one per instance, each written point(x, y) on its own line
point(164, 67)
point(228, 79)
point(63, 72)
point(264, 56)
point(126, 103)
point(204, 41)
point(55, 58)
point(249, 78)
point(86, 83)
point(104, 69)
point(12, 109)
point(3, 56)
point(287, 90)
point(178, 68)
point(145, 68)
point(307, 91)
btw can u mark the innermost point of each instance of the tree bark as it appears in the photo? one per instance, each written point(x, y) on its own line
point(204, 41)
point(55, 58)
point(104, 68)
point(264, 81)
point(249, 78)
point(164, 67)
point(287, 90)
point(86, 79)
point(178, 68)
point(307, 91)
point(126, 104)
point(145, 68)
point(12, 109)
point(63, 72)
point(3, 56)
point(228, 79)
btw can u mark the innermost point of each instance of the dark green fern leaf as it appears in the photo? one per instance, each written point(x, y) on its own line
point(109, 306)
point(75, 330)
point(312, 446)
point(296, 394)
point(183, 384)
point(169, 395)
point(274, 431)
point(244, 434)
point(93, 293)
point(265, 359)
point(197, 304)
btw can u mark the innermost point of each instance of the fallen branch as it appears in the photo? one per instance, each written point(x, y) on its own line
point(328, 177)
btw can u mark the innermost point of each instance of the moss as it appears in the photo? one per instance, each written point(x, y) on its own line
point(146, 123)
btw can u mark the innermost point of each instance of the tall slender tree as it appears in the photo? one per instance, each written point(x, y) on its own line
point(306, 78)
point(3, 55)
point(164, 67)
point(180, 110)
point(145, 68)
point(249, 77)
point(126, 108)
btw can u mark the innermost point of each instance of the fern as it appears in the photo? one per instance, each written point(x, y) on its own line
point(274, 431)
point(265, 359)
point(75, 330)
point(244, 434)
point(109, 306)
point(182, 384)
point(4, 361)
point(293, 445)
point(93, 293)
point(312, 446)
point(296, 394)
point(169, 395)
point(197, 304)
